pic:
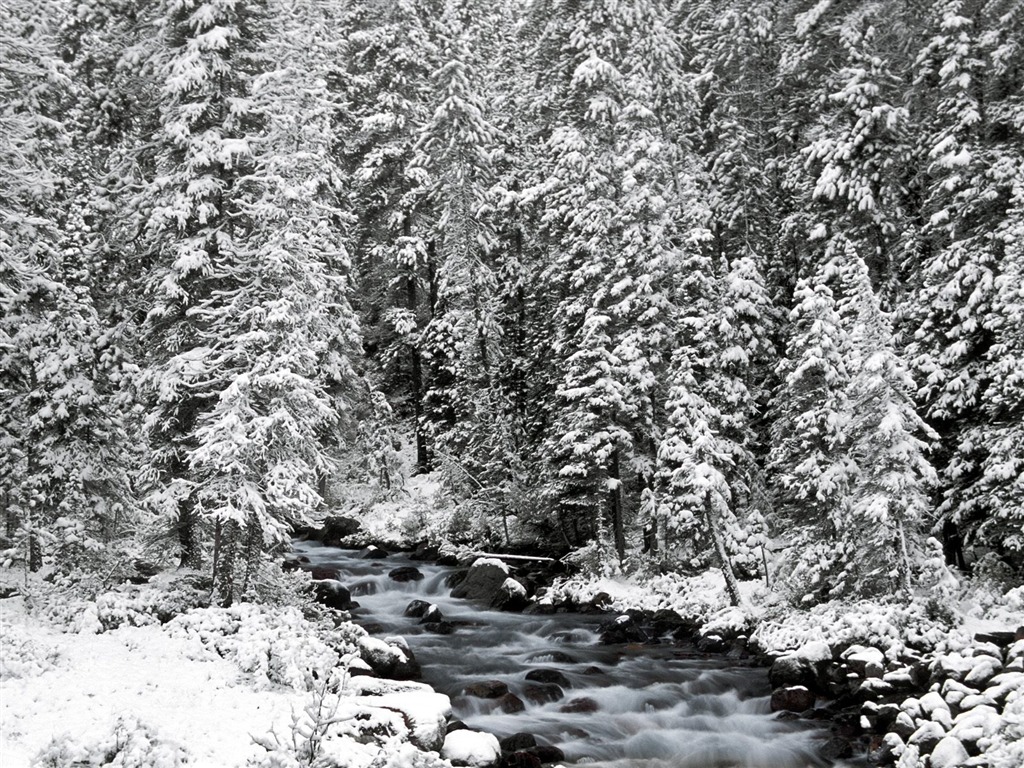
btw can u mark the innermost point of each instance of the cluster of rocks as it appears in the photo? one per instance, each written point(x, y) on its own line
point(910, 711)
point(521, 750)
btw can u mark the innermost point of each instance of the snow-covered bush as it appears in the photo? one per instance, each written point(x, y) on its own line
point(70, 606)
point(21, 656)
point(891, 627)
point(274, 644)
point(129, 743)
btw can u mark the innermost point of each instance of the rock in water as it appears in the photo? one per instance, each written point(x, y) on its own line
point(333, 594)
point(483, 580)
point(405, 573)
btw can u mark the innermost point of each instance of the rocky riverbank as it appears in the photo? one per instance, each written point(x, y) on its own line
point(904, 707)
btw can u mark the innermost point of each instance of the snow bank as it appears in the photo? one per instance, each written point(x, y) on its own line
point(471, 748)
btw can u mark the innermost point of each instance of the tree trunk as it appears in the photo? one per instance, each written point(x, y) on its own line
point(416, 366)
point(723, 558)
point(224, 575)
point(35, 552)
point(615, 503)
point(188, 539)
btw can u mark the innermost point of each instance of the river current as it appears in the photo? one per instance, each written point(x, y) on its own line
point(656, 706)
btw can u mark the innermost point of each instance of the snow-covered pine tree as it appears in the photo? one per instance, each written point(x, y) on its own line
point(880, 533)
point(251, 337)
point(455, 148)
point(617, 212)
point(967, 85)
point(808, 465)
point(694, 465)
point(391, 55)
point(62, 441)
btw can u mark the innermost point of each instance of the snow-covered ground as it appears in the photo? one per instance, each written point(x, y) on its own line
point(77, 694)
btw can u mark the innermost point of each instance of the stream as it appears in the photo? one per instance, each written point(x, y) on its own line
point(656, 706)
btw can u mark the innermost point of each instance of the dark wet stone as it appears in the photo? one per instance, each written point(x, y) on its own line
point(320, 573)
point(793, 698)
point(548, 676)
point(417, 609)
point(486, 689)
point(791, 670)
point(456, 725)
point(518, 742)
point(543, 693)
point(335, 528)
point(439, 627)
point(622, 630)
point(432, 615)
point(592, 670)
point(547, 754)
point(333, 594)
point(371, 553)
point(510, 704)
point(405, 574)
point(579, 704)
point(425, 552)
point(483, 581)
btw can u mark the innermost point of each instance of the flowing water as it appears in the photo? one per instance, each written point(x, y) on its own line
point(656, 706)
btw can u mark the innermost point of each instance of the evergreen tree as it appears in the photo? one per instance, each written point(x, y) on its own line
point(613, 202)
point(251, 336)
point(62, 432)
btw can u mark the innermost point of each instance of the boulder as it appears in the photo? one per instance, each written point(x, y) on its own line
point(425, 552)
point(511, 596)
point(622, 630)
point(335, 528)
point(510, 704)
point(865, 661)
point(416, 609)
point(713, 643)
point(321, 573)
point(666, 621)
point(518, 742)
point(791, 670)
point(927, 736)
point(483, 580)
point(579, 704)
point(948, 753)
point(543, 693)
point(792, 698)
point(405, 574)
point(389, 658)
point(333, 594)
point(487, 689)
point(984, 669)
point(472, 749)
point(548, 676)
point(889, 750)
point(424, 711)
point(432, 615)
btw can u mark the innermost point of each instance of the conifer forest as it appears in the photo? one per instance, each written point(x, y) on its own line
point(666, 284)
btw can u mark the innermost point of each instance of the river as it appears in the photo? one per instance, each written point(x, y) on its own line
point(656, 706)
